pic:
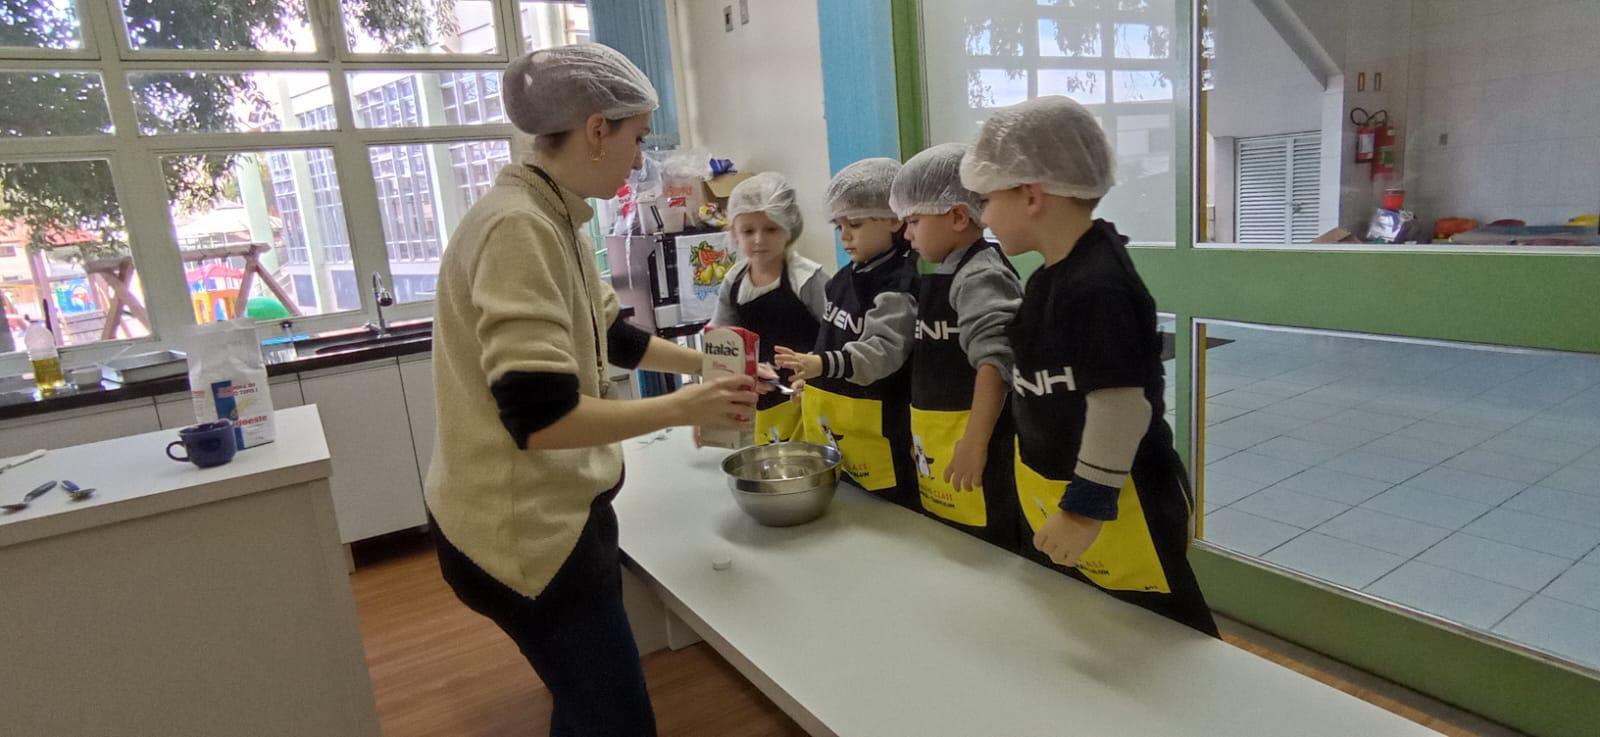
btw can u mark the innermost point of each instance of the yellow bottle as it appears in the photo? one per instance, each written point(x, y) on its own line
point(46, 362)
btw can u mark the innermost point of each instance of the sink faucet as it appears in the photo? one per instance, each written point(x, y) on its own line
point(382, 298)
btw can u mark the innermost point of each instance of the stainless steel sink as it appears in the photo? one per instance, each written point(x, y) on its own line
point(374, 341)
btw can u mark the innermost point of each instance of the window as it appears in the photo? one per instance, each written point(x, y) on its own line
point(1118, 59)
point(66, 261)
point(424, 189)
point(49, 25)
point(238, 256)
point(1445, 142)
point(1277, 180)
point(53, 103)
point(280, 26)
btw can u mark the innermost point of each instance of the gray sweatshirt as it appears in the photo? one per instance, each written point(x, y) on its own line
point(985, 295)
point(886, 336)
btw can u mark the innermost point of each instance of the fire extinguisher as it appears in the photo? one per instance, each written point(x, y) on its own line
point(1366, 133)
point(1375, 140)
point(1383, 157)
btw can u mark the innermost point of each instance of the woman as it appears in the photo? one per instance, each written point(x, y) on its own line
point(527, 460)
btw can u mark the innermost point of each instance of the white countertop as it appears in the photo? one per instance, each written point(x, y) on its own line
point(876, 621)
point(135, 478)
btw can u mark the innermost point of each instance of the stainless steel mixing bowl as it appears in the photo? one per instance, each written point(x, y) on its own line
point(783, 484)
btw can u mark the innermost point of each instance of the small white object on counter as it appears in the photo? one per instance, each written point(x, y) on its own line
point(721, 563)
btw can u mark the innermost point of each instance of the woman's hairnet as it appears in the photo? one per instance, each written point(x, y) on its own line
point(1050, 141)
point(770, 194)
point(861, 190)
point(554, 90)
point(930, 184)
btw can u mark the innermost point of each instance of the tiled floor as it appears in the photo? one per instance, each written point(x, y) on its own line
point(1460, 482)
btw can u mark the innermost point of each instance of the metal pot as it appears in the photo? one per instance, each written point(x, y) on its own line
point(783, 484)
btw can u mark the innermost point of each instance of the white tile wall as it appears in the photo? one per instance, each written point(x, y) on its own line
point(1512, 85)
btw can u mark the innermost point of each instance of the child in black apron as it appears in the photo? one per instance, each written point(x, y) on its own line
point(961, 363)
point(857, 380)
point(1103, 491)
point(772, 291)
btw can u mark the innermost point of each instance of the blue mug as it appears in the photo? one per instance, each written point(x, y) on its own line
point(205, 445)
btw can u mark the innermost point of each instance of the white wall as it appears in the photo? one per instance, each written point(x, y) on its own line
point(755, 95)
point(1512, 87)
point(1262, 87)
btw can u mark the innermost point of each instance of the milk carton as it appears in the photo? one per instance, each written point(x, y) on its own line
point(729, 352)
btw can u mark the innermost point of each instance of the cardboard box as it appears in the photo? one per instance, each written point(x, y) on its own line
point(719, 187)
point(729, 352)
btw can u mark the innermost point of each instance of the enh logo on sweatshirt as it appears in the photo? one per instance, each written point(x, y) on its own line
point(838, 318)
point(937, 330)
point(1044, 382)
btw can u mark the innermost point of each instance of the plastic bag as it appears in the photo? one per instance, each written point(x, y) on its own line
point(228, 380)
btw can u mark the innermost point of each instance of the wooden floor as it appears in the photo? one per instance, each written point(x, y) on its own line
point(441, 671)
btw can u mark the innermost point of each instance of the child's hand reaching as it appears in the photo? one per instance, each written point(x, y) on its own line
point(965, 471)
point(803, 365)
point(1064, 536)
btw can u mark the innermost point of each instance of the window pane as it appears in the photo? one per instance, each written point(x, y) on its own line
point(41, 24)
point(418, 216)
point(273, 219)
point(546, 24)
point(990, 88)
point(1457, 480)
point(1143, 41)
point(64, 254)
point(1063, 38)
point(1087, 86)
point(221, 25)
point(420, 26)
point(414, 99)
point(53, 104)
point(1113, 56)
point(1468, 143)
point(211, 102)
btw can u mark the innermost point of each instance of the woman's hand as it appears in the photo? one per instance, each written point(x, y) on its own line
point(803, 365)
point(728, 402)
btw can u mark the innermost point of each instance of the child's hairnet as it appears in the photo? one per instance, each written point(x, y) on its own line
point(860, 191)
point(770, 194)
point(930, 184)
point(1050, 141)
point(554, 90)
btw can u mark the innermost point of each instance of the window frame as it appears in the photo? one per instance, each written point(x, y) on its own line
point(135, 157)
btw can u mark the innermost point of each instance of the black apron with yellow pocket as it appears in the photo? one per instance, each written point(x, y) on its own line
point(871, 425)
point(1142, 556)
point(780, 317)
point(942, 379)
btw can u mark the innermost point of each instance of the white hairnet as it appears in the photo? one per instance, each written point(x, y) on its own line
point(930, 184)
point(861, 190)
point(1050, 141)
point(770, 194)
point(554, 90)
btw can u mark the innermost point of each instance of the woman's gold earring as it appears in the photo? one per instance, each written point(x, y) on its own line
point(600, 155)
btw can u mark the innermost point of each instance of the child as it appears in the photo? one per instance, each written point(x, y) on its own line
point(857, 383)
point(1101, 487)
point(773, 291)
point(962, 361)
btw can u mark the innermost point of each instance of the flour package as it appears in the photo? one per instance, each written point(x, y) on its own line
point(228, 380)
point(728, 352)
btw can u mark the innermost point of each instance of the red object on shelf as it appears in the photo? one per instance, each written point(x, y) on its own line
point(1394, 198)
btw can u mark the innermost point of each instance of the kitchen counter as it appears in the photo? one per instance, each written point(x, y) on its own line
point(877, 621)
point(321, 351)
point(181, 601)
